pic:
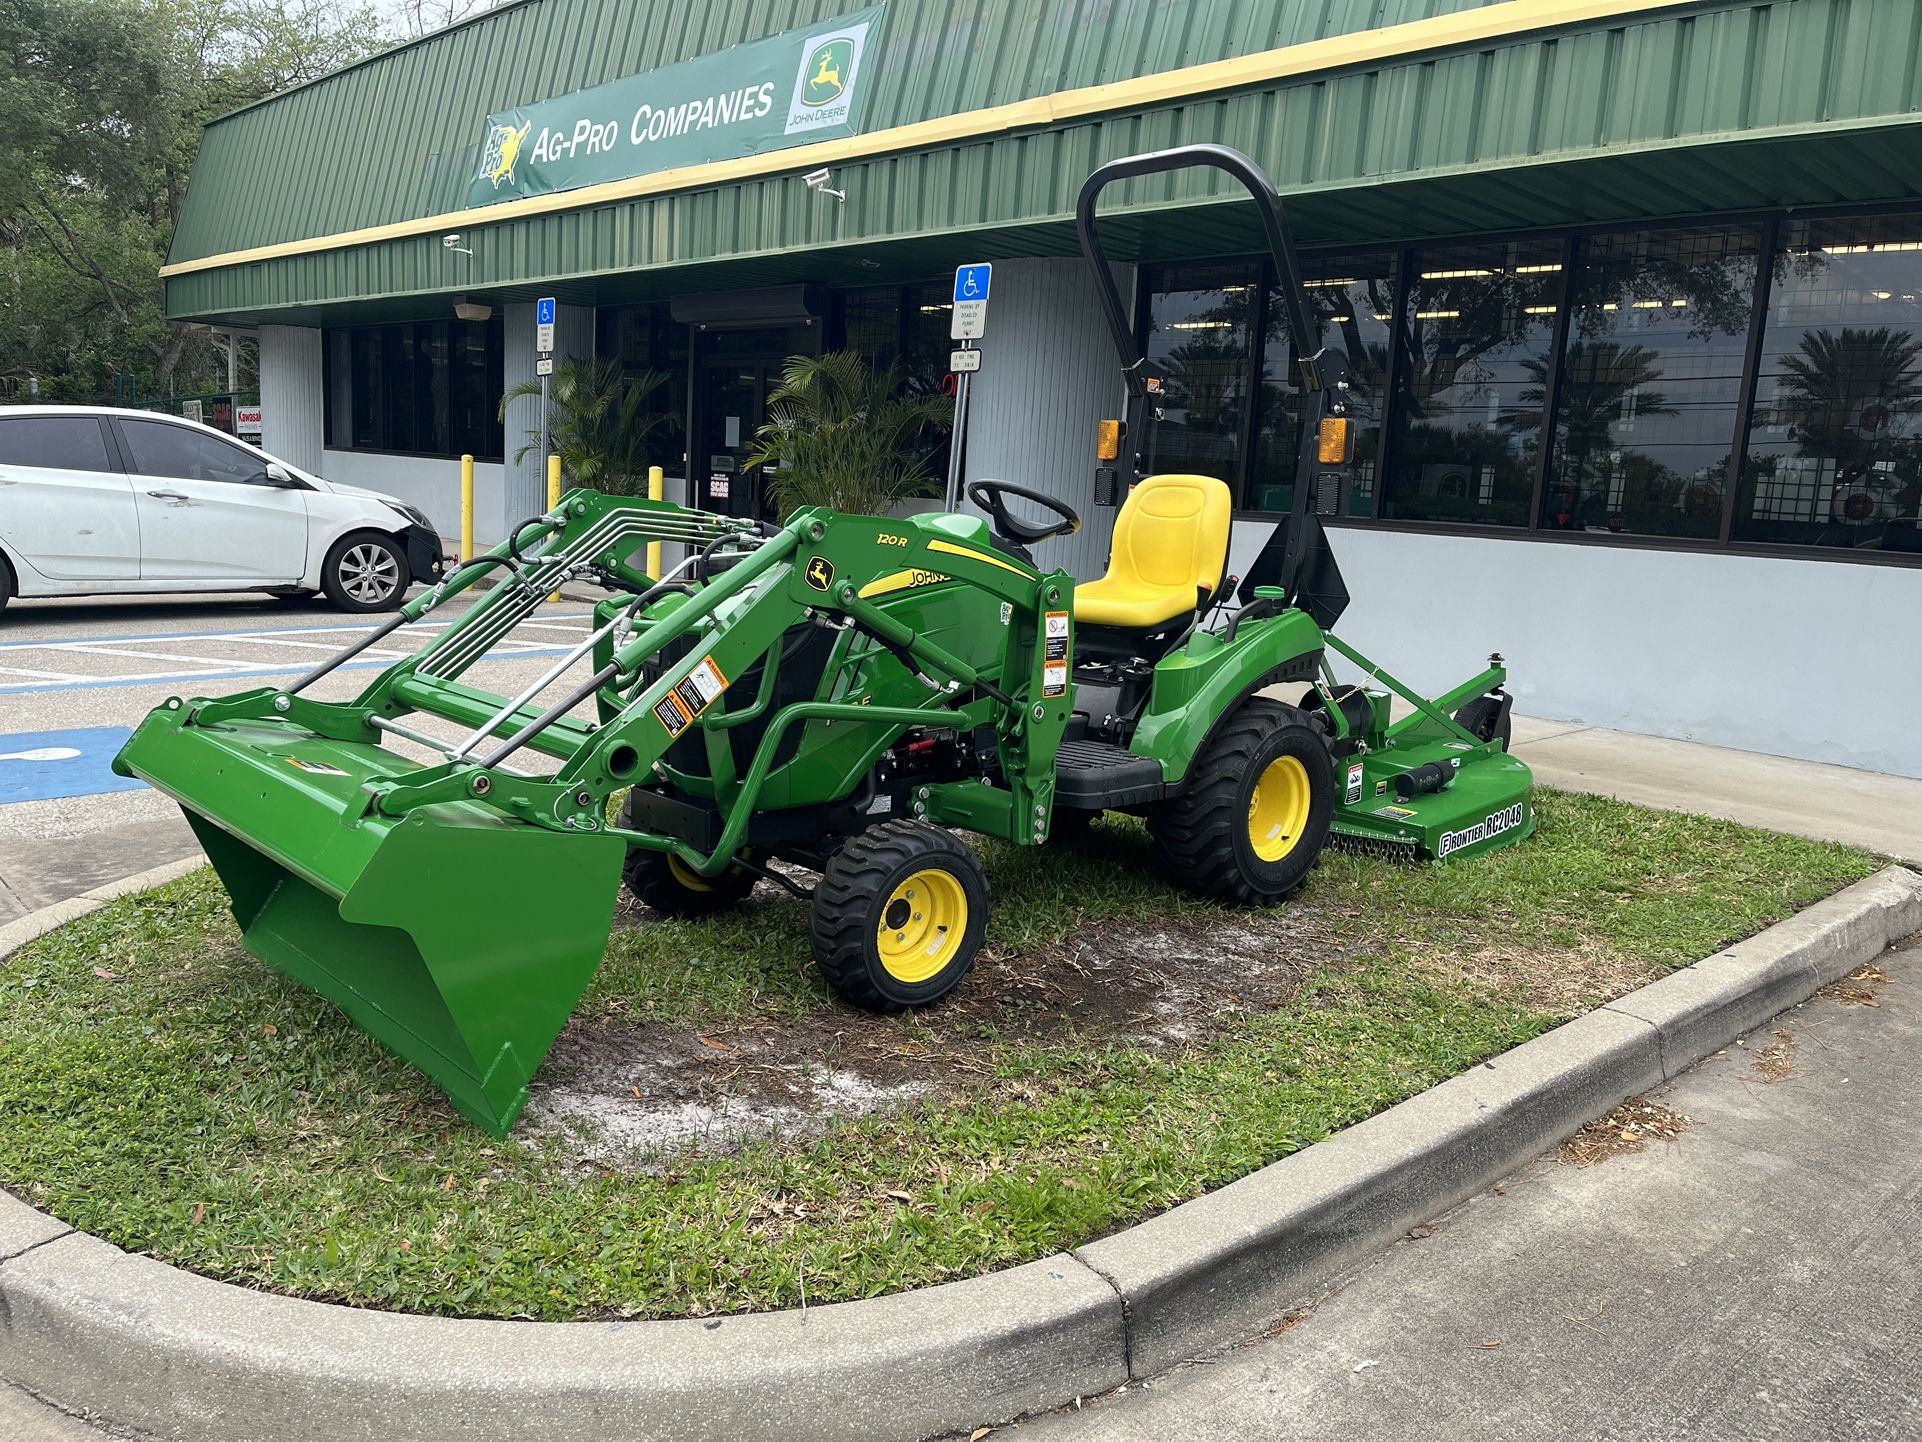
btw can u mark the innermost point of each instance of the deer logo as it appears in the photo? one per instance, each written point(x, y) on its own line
point(827, 72)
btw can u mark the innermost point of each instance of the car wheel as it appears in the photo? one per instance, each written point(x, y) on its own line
point(6, 583)
point(366, 572)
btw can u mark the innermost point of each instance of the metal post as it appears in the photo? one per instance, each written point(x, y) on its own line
point(546, 443)
point(553, 495)
point(656, 485)
point(466, 509)
point(962, 388)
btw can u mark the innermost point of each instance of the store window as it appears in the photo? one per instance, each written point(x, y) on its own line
point(1834, 453)
point(429, 388)
point(1350, 301)
point(1201, 341)
point(1476, 342)
point(1651, 381)
point(647, 338)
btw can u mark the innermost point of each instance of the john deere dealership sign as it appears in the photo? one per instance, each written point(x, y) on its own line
point(788, 89)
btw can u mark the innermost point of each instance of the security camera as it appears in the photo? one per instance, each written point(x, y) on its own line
point(818, 180)
point(452, 242)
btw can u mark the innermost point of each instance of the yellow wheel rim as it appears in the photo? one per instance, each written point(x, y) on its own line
point(921, 925)
point(1278, 811)
point(686, 875)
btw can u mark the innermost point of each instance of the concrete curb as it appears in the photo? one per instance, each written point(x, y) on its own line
point(149, 1347)
point(36, 924)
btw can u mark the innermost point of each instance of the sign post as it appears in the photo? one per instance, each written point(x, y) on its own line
point(544, 315)
point(968, 324)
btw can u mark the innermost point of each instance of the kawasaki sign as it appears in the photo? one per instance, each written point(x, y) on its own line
point(787, 89)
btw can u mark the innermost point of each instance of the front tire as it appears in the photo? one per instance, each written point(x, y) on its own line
point(1250, 824)
point(671, 887)
point(366, 572)
point(899, 916)
point(7, 583)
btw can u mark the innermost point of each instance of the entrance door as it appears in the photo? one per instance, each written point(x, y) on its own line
point(735, 372)
point(733, 406)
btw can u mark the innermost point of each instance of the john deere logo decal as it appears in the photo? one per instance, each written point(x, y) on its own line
point(824, 87)
point(503, 153)
point(820, 573)
point(827, 71)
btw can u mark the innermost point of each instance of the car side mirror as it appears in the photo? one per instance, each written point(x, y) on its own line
point(281, 478)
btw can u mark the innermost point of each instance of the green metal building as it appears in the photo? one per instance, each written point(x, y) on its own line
point(1631, 289)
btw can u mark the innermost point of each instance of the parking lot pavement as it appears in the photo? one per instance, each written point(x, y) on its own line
point(77, 676)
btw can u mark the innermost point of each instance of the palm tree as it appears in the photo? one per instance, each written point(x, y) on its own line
point(1843, 393)
point(841, 435)
point(600, 423)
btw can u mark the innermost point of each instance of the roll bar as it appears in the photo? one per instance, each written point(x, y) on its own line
point(1274, 220)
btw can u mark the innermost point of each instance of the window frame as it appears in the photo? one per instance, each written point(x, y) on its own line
point(123, 438)
point(494, 354)
point(109, 445)
point(1573, 237)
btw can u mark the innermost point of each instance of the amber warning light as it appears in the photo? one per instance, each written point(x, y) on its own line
point(1108, 440)
point(1336, 442)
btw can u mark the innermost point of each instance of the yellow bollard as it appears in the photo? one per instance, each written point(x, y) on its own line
point(466, 509)
point(655, 485)
point(553, 495)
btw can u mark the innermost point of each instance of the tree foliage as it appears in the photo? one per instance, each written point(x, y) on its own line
point(839, 434)
point(102, 102)
point(602, 424)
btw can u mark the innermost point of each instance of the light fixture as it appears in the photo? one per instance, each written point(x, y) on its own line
point(467, 308)
point(817, 180)
point(1202, 325)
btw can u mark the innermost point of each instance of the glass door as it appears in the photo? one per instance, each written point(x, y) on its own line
point(735, 372)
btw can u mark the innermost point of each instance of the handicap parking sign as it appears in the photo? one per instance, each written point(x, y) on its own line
point(970, 319)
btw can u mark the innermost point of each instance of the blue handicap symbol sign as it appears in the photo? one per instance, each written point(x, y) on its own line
point(45, 765)
point(544, 311)
point(971, 282)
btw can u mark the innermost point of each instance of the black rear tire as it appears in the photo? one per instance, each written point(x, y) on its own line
point(7, 583)
point(899, 916)
point(366, 572)
point(1222, 836)
point(669, 886)
point(1486, 718)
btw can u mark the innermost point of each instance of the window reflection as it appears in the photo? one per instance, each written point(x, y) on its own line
point(1200, 342)
point(1350, 301)
point(1645, 409)
point(1834, 454)
point(1475, 342)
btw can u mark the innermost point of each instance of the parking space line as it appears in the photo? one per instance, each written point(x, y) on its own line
point(60, 681)
point(159, 656)
point(46, 675)
point(429, 622)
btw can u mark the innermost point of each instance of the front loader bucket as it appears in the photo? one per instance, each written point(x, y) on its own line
point(461, 939)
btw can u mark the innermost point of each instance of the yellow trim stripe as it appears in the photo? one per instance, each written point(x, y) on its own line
point(1504, 20)
point(948, 548)
point(901, 581)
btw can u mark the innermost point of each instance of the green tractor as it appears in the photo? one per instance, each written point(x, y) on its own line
point(839, 695)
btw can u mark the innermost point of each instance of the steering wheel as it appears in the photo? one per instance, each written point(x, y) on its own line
point(990, 497)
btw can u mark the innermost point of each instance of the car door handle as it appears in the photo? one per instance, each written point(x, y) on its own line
point(167, 496)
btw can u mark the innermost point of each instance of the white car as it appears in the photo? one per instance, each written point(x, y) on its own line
point(97, 502)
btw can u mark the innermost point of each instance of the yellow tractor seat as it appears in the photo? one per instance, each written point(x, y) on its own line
point(1170, 546)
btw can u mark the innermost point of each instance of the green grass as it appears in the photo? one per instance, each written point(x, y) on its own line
point(161, 1089)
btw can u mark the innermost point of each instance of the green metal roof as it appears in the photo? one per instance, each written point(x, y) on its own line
point(1713, 106)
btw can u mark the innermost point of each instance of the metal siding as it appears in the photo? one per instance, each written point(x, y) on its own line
point(290, 395)
point(1641, 118)
point(1048, 374)
point(395, 137)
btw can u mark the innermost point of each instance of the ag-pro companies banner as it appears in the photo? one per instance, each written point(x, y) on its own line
point(788, 89)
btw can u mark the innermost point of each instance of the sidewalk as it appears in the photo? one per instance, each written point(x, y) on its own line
point(1759, 1277)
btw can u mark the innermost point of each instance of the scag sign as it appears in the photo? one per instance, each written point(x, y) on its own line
point(715, 107)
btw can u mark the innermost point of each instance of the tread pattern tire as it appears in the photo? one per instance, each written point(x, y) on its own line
point(337, 591)
point(1201, 835)
point(652, 880)
point(1478, 719)
point(851, 899)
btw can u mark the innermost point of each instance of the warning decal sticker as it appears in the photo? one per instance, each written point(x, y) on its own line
point(1054, 679)
point(1057, 636)
point(673, 714)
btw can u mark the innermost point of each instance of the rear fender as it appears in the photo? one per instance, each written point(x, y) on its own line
point(1198, 685)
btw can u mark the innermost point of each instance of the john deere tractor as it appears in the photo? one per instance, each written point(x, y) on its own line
point(822, 705)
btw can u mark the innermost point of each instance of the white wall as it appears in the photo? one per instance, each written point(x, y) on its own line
point(1048, 374)
point(526, 480)
point(290, 394)
point(1811, 659)
point(433, 485)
